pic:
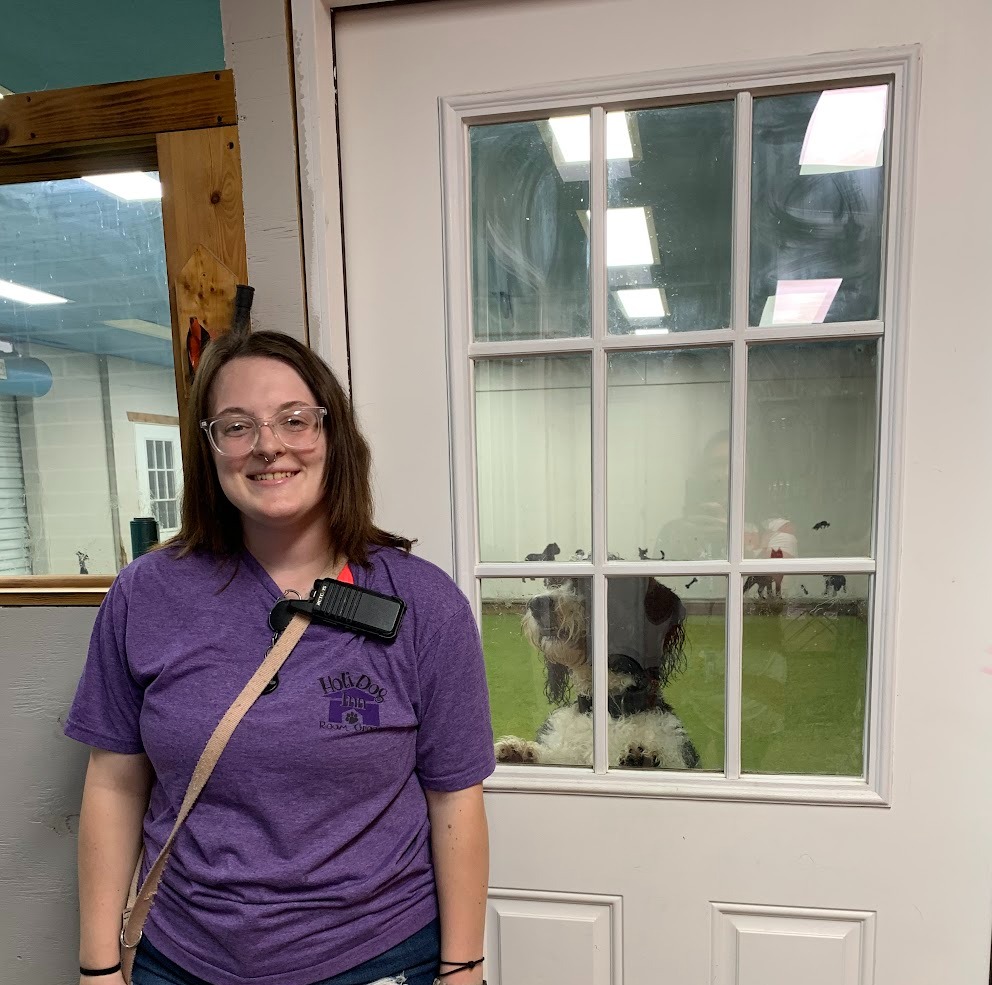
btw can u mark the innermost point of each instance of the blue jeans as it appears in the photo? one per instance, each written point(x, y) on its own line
point(415, 959)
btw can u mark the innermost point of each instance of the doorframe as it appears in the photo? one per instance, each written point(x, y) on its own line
point(318, 133)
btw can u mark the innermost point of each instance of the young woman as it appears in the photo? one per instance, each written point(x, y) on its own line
point(342, 837)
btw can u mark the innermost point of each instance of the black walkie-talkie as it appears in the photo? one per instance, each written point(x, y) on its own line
point(337, 603)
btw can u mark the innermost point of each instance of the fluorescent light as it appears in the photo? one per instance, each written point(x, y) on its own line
point(846, 131)
point(571, 134)
point(628, 238)
point(130, 185)
point(644, 302)
point(28, 295)
point(803, 302)
point(142, 327)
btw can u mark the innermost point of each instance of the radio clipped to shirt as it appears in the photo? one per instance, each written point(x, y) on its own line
point(336, 603)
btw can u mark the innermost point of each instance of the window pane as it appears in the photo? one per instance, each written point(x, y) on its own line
point(667, 645)
point(539, 678)
point(668, 229)
point(533, 446)
point(93, 338)
point(805, 667)
point(817, 203)
point(168, 455)
point(812, 423)
point(530, 197)
point(668, 454)
point(170, 482)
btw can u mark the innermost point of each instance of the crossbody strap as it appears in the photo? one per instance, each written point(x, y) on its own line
point(274, 659)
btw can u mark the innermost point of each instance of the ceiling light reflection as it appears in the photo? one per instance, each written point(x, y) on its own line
point(28, 295)
point(846, 131)
point(132, 186)
point(800, 302)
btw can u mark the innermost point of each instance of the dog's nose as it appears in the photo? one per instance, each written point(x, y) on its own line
point(540, 609)
point(540, 606)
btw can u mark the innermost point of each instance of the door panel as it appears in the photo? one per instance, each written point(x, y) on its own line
point(721, 892)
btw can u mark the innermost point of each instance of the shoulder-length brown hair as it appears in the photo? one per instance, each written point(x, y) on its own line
point(211, 523)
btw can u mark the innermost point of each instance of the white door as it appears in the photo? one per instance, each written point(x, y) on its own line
point(158, 461)
point(747, 307)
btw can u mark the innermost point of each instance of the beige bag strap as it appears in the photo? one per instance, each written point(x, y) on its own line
point(274, 659)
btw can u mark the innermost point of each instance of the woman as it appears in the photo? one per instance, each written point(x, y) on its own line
point(342, 837)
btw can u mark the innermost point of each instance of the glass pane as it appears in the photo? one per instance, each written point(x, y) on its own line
point(530, 251)
point(667, 641)
point(817, 203)
point(540, 680)
point(173, 516)
point(812, 425)
point(168, 455)
point(668, 485)
point(84, 331)
point(170, 483)
point(668, 228)
point(532, 420)
point(805, 668)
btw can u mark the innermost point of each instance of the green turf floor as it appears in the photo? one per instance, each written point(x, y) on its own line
point(803, 706)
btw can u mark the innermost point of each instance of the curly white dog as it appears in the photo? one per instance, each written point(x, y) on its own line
point(646, 648)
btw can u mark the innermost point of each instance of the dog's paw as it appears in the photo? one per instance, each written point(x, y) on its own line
point(510, 749)
point(638, 758)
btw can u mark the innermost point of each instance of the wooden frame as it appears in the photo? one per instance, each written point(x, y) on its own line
point(183, 125)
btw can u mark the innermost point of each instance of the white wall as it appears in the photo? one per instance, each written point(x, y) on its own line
point(810, 454)
point(64, 450)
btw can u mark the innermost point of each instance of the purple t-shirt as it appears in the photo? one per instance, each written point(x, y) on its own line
point(308, 852)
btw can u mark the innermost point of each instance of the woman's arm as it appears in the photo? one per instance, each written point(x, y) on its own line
point(115, 797)
point(460, 844)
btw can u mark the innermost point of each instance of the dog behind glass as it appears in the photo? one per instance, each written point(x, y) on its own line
point(646, 647)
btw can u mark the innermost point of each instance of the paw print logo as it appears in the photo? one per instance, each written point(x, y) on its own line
point(351, 718)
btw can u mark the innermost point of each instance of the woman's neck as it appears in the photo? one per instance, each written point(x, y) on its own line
point(294, 559)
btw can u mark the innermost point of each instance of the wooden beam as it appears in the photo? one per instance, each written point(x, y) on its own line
point(137, 417)
point(24, 590)
point(54, 162)
point(200, 172)
point(117, 109)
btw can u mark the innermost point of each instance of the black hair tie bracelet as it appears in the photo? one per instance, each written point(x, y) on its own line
point(98, 972)
point(456, 967)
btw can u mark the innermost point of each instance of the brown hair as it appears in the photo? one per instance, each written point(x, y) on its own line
point(211, 523)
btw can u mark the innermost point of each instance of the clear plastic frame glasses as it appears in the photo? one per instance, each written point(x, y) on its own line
point(238, 434)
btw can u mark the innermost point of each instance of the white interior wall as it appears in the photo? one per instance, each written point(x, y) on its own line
point(256, 48)
point(65, 456)
point(664, 409)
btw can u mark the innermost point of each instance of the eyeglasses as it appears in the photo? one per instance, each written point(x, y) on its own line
point(238, 434)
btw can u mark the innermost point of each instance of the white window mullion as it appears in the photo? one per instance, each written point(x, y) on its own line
point(741, 289)
point(597, 297)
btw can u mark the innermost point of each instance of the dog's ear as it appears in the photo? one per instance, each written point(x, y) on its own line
point(556, 686)
point(661, 606)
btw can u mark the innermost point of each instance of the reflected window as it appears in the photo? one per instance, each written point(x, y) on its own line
point(817, 206)
point(85, 349)
point(668, 226)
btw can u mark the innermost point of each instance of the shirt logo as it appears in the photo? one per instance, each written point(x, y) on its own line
point(353, 703)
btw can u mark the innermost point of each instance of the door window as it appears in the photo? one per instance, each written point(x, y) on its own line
point(675, 356)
